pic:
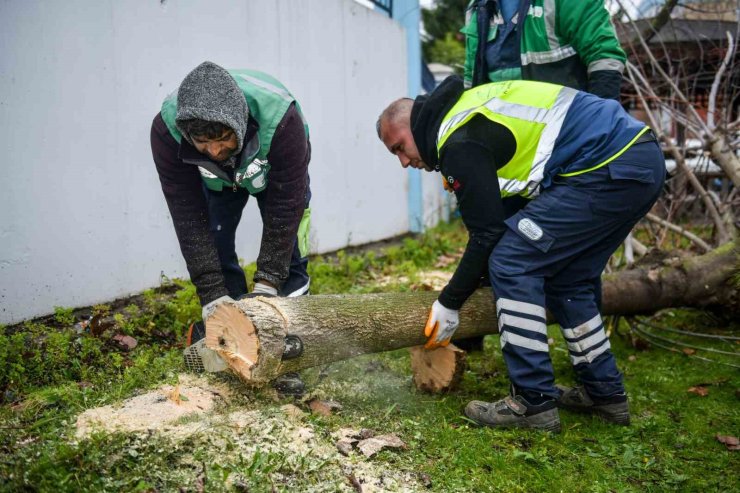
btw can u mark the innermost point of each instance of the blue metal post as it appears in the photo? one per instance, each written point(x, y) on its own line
point(407, 13)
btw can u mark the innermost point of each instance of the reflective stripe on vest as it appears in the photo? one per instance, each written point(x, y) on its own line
point(533, 111)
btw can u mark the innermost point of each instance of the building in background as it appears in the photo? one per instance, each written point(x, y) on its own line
point(83, 219)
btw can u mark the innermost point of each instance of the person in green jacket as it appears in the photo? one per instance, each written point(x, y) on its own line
point(566, 42)
point(222, 137)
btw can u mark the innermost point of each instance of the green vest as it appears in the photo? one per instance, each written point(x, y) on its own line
point(268, 100)
point(532, 111)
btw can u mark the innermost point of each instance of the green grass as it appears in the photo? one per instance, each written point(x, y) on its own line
point(53, 369)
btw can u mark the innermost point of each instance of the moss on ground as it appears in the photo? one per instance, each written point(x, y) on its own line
point(55, 368)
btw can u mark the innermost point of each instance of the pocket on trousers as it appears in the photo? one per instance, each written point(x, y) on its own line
point(530, 231)
point(625, 192)
point(631, 172)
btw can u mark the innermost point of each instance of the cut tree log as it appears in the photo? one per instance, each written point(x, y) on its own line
point(250, 334)
point(437, 370)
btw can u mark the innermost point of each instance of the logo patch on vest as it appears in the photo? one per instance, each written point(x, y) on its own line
point(530, 229)
point(205, 173)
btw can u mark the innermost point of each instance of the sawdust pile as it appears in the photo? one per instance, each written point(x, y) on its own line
point(159, 409)
point(199, 410)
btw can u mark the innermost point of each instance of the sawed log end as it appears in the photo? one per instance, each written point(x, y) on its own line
point(231, 333)
point(437, 370)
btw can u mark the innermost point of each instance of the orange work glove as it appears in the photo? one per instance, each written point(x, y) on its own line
point(441, 325)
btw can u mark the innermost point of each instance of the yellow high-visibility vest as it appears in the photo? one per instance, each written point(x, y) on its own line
point(532, 111)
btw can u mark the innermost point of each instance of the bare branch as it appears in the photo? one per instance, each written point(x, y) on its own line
point(629, 253)
point(659, 20)
point(716, 82)
point(678, 229)
point(637, 246)
point(668, 79)
point(722, 233)
point(646, 86)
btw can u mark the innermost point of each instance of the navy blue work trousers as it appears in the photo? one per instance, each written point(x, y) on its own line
point(552, 256)
point(224, 213)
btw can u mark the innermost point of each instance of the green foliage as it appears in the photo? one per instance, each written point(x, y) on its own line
point(448, 50)
point(444, 43)
point(64, 316)
point(446, 17)
point(35, 355)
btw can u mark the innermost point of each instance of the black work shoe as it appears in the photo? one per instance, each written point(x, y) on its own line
point(289, 385)
point(614, 409)
point(515, 412)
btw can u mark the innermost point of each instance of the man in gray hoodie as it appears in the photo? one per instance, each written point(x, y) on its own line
point(220, 138)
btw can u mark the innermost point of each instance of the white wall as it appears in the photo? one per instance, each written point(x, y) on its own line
point(436, 202)
point(82, 216)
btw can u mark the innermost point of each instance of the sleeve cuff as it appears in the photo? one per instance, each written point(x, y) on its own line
point(449, 302)
point(264, 276)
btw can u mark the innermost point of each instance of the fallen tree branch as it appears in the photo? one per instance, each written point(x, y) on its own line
point(250, 334)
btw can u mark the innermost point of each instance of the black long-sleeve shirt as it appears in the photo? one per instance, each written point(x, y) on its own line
point(469, 162)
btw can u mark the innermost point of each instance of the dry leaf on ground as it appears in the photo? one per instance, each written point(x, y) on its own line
point(292, 411)
point(345, 447)
point(127, 343)
point(324, 408)
point(699, 390)
point(732, 443)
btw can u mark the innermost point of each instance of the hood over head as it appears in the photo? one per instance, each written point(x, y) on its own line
point(427, 115)
point(210, 93)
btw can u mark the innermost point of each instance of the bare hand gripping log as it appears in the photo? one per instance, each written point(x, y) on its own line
point(250, 335)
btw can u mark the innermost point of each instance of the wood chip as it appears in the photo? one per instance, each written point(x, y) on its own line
point(345, 447)
point(437, 370)
point(324, 408)
point(372, 446)
point(174, 396)
point(292, 411)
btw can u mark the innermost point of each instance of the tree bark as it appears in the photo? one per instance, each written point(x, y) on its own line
point(250, 334)
point(723, 154)
point(701, 281)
